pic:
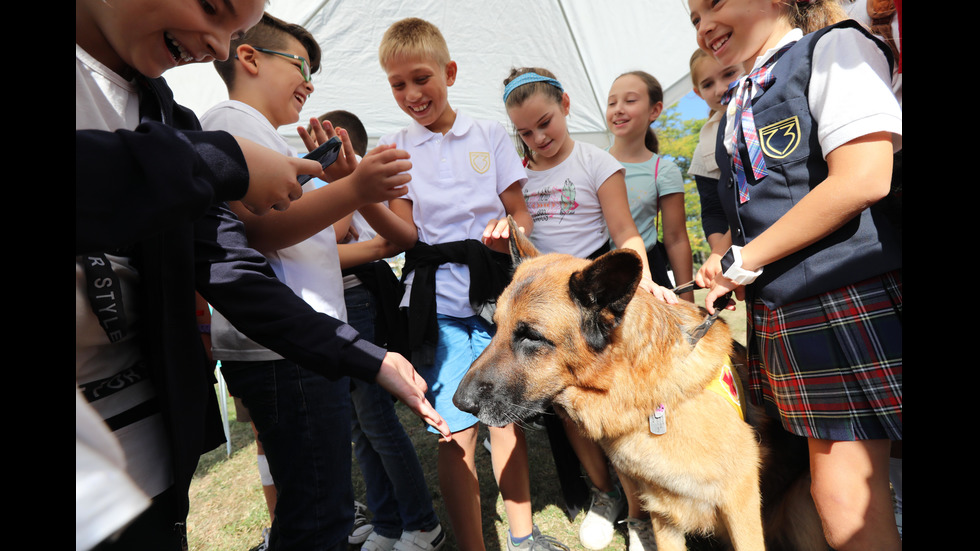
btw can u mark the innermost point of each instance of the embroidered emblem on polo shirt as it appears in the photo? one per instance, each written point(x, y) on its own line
point(780, 139)
point(480, 161)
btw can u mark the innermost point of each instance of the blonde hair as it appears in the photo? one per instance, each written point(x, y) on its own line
point(413, 38)
point(698, 55)
point(813, 15)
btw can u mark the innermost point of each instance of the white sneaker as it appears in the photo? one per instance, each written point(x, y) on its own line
point(377, 542)
point(361, 528)
point(599, 524)
point(641, 536)
point(421, 540)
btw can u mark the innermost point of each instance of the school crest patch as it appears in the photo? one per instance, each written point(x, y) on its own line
point(780, 139)
point(480, 161)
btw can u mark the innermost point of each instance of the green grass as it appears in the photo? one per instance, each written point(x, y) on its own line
point(228, 510)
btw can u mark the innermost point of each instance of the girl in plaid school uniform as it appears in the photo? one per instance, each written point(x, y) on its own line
point(806, 156)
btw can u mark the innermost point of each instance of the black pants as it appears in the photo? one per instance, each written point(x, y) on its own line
point(657, 258)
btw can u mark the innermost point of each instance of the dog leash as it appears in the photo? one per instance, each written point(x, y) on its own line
point(719, 304)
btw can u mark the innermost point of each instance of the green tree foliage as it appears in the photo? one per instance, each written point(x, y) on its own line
point(678, 138)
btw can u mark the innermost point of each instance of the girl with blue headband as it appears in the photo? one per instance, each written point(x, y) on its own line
point(576, 195)
point(576, 190)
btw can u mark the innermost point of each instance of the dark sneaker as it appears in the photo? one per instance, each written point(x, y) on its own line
point(362, 528)
point(537, 542)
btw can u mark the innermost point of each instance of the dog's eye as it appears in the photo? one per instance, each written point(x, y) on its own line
point(526, 335)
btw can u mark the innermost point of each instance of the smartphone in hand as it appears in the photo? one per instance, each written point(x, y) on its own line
point(326, 154)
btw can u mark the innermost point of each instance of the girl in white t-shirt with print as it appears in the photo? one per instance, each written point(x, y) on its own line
point(576, 195)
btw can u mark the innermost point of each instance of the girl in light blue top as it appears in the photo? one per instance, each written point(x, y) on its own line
point(652, 183)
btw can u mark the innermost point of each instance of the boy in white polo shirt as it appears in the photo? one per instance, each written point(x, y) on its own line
point(466, 176)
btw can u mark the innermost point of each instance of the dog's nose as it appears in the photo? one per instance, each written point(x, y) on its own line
point(467, 396)
point(463, 401)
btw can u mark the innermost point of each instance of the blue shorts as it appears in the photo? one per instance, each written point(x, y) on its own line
point(461, 340)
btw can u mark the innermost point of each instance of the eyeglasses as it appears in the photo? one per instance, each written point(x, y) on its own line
point(304, 66)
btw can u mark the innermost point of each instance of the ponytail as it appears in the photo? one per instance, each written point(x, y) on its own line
point(813, 15)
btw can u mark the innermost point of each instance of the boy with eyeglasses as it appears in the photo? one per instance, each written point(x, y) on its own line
point(303, 419)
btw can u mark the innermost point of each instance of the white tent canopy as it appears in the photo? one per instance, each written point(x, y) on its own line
point(586, 43)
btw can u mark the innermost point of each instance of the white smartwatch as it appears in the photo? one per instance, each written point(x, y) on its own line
point(731, 267)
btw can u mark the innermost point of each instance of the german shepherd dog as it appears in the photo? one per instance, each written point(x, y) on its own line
point(625, 368)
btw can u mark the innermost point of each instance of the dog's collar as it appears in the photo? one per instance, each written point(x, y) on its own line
point(725, 384)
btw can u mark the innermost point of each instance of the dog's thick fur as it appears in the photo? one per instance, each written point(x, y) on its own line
point(574, 333)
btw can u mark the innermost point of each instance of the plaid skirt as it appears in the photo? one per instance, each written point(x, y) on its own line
point(830, 366)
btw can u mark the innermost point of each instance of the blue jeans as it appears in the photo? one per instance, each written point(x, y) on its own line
point(302, 422)
point(397, 493)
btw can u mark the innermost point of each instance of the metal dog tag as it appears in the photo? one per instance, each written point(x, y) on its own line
point(658, 420)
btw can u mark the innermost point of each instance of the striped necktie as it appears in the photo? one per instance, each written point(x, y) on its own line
point(742, 91)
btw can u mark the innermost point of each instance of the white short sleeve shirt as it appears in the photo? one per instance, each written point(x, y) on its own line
point(310, 268)
point(564, 202)
point(457, 179)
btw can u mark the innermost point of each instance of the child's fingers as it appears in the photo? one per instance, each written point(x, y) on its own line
point(703, 278)
point(323, 131)
point(720, 288)
point(308, 140)
point(347, 157)
point(272, 177)
point(346, 144)
point(308, 167)
point(380, 149)
point(491, 225)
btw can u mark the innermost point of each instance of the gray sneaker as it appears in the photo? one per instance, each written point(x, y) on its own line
point(640, 532)
point(537, 542)
point(265, 541)
point(600, 522)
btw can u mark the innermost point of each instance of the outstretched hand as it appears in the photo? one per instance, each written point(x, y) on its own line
point(398, 376)
point(272, 177)
point(322, 132)
point(496, 235)
point(382, 174)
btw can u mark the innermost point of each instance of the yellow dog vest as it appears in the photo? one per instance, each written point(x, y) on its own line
point(727, 386)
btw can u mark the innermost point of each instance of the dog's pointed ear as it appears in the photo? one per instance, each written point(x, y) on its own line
point(520, 246)
point(603, 290)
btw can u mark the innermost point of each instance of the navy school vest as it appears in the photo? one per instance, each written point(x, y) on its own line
point(866, 246)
